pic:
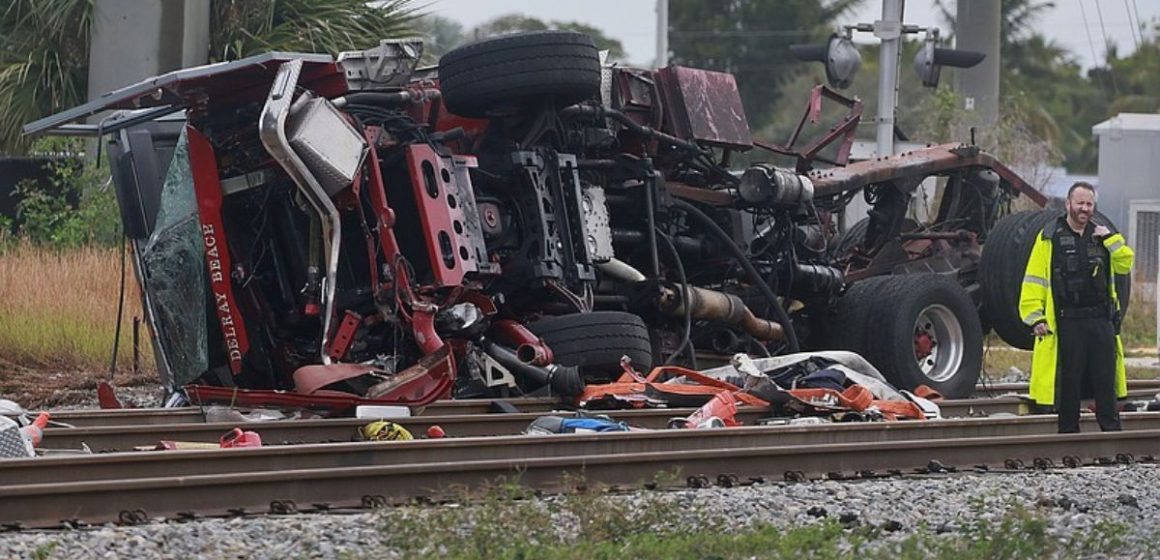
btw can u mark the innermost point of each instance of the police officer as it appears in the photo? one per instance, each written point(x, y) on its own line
point(1069, 300)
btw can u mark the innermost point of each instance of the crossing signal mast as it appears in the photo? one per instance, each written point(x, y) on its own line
point(842, 61)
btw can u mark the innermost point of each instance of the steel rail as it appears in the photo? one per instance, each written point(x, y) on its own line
point(111, 466)
point(189, 415)
point(139, 499)
point(197, 415)
point(1138, 388)
point(1134, 385)
point(127, 437)
point(1146, 388)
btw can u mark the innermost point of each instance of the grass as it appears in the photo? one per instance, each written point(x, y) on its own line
point(1138, 332)
point(1139, 327)
point(59, 312)
point(511, 523)
point(59, 315)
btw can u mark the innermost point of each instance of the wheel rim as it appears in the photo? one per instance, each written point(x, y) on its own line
point(938, 343)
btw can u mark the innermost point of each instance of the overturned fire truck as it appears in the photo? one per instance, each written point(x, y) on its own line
point(522, 219)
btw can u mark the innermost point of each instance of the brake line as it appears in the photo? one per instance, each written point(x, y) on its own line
point(762, 286)
point(686, 342)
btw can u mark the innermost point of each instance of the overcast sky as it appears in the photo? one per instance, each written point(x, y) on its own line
point(633, 22)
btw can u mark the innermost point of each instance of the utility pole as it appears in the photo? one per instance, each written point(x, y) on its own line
point(889, 31)
point(662, 33)
point(977, 28)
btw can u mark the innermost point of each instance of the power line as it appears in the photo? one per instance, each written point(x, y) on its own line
point(742, 34)
point(1107, 49)
point(1139, 22)
point(1091, 44)
point(1132, 25)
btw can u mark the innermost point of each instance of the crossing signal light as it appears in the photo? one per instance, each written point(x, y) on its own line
point(839, 55)
point(930, 60)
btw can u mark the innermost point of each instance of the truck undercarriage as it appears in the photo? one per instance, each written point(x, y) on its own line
point(520, 220)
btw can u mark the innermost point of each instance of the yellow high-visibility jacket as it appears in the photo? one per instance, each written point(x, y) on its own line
point(1036, 303)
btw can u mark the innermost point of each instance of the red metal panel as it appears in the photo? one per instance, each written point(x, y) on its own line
point(441, 215)
point(344, 336)
point(706, 106)
point(378, 193)
point(217, 255)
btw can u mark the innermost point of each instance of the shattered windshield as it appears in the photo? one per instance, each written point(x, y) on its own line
point(173, 272)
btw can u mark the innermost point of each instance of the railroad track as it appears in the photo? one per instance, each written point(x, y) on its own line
point(1141, 386)
point(986, 404)
point(127, 436)
point(109, 466)
point(105, 430)
point(137, 487)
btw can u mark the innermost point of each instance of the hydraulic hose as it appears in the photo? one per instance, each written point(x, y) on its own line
point(782, 316)
point(563, 380)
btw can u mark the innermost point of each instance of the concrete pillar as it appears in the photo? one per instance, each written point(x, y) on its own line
point(135, 39)
point(662, 34)
point(977, 29)
point(195, 38)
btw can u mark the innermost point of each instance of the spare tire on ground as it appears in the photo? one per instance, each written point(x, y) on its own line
point(511, 71)
point(917, 329)
point(595, 342)
point(1001, 271)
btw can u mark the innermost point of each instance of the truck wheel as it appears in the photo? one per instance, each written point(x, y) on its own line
point(510, 70)
point(847, 330)
point(595, 341)
point(1001, 271)
point(853, 235)
point(856, 234)
point(1001, 268)
point(925, 331)
point(1123, 281)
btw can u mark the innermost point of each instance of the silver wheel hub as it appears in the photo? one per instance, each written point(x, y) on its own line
point(938, 343)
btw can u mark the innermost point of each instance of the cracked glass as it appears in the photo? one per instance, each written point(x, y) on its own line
point(173, 271)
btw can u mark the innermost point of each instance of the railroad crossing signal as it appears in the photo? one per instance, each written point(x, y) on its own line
point(842, 59)
point(931, 58)
point(839, 55)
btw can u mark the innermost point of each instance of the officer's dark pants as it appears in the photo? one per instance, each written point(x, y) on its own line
point(1087, 356)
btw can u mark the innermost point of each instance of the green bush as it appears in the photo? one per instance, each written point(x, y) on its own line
point(76, 208)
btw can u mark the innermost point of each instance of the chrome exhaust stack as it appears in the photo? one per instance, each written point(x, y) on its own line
point(321, 152)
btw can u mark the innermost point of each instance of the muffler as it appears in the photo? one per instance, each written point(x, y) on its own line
point(711, 305)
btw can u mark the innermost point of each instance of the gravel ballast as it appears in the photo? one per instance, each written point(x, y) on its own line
point(1070, 500)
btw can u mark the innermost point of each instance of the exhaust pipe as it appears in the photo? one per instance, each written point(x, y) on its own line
point(565, 380)
point(711, 305)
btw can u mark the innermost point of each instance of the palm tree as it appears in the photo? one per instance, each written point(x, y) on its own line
point(241, 28)
point(44, 57)
point(44, 44)
point(1017, 18)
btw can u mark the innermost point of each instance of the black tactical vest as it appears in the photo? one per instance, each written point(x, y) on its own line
point(1080, 268)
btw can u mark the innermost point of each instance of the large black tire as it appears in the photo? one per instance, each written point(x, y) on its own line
point(595, 342)
point(1123, 281)
point(856, 234)
point(847, 330)
point(1001, 271)
point(938, 310)
point(509, 71)
point(853, 235)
